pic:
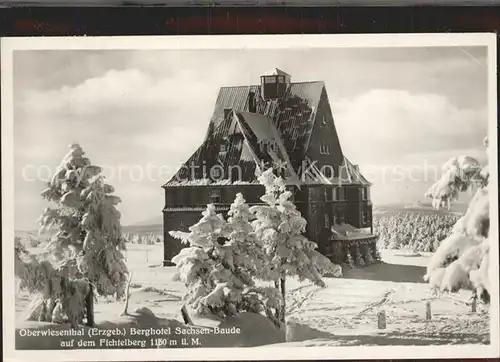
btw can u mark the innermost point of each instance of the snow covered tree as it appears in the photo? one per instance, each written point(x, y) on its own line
point(88, 237)
point(462, 259)
point(219, 264)
point(248, 248)
point(459, 175)
point(280, 227)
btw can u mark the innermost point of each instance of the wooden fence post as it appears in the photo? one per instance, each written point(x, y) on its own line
point(381, 320)
point(89, 306)
point(185, 316)
point(127, 295)
point(474, 304)
point(428, 311)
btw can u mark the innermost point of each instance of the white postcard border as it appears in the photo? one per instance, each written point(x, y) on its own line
point(9, 45)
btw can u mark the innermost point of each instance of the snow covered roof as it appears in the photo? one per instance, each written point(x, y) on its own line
point(274, 71)
point(350, 174)
point(348, 232)
point(196, 208)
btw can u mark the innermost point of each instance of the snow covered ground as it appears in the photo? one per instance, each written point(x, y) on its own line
point(343, 314)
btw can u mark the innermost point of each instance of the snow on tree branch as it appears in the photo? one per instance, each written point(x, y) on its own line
point(459, 174)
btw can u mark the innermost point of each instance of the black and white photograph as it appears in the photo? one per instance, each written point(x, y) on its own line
point(328, 196)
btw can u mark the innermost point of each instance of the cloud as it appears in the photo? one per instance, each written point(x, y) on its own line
point(118, 90)
point(388, 123)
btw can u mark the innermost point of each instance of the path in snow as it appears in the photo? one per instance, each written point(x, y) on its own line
point(344, 313)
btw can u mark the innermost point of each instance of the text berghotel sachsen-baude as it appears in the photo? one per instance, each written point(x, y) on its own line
point(153, 337)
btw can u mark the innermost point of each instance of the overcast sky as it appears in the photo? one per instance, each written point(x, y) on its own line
point(396, 110)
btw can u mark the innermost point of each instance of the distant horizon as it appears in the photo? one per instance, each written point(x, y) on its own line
point(375, 206)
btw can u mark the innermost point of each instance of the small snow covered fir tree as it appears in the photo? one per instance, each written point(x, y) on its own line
point(218, 265)
point(88, 239)
point(250, 260)
point(462, 259)
point(200, 265)
point(280, 227)
point(247, 248)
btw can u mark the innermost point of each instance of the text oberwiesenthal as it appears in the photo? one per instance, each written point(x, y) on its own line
point(120, 337)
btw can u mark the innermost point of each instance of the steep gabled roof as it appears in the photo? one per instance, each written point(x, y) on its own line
point(237, 162)
point(275, 71)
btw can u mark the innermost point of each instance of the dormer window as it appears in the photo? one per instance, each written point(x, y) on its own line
point(328, 171)
point(216, 172)
point(268, 146)
point(224, 145)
